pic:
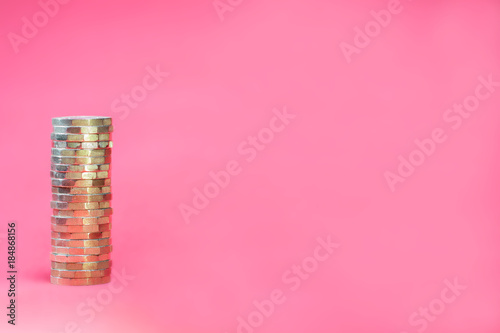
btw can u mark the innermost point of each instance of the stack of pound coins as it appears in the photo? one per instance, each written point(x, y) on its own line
point(81, 201)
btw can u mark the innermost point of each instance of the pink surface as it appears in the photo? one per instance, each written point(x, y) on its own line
point(412, 250)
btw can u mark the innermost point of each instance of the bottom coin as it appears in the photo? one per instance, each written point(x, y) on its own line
point(81, 265)
point(79, 282)
point(83, 274)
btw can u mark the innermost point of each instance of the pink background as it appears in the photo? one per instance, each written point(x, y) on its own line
point(322, 175)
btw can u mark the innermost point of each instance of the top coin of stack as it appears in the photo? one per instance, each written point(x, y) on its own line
point(81, 200)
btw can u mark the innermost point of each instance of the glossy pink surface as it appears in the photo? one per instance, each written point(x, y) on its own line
point(411, 250)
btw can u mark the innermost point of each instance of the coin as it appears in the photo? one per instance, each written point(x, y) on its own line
point(81, 183)
point(79, 282)
point(82, 145)
point(82, 250)
point(80, 235)
point(80, 220)
point(84, 213)
point(80, 243)
point(82, 266)
point(81, 190)
point(81, 121)
point(82, 198)
point(80, 137)
point(79, 205)
point(76, 258)
point(80, 274)
point(81, 152)
point(83, 129)
point(80, 175)
point(80, 160)
point(79, 168)
point(81, 228)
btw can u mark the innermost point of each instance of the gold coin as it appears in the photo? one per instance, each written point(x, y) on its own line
point(81, 190)
point(81, 183)
point(81, 198)
point(80, 168)
point(81, 228)
point(81, 274)
point(84, 213)
point(80, 175)
point(80, 160)
point(81, 121)
point(82, 250)
point(81, 152)
point(80, 235)
point(81, 243)
point(80, 220)
point(82, 145)
point(83, 129)
point(79, 205)
point(79, 282)
point(81, 137)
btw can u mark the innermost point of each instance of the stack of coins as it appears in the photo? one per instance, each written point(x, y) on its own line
point(81, 201)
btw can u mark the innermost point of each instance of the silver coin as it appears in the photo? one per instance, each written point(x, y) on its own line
point(82, 121)
point(80, 160)
point(81, 190)
point(83, 129)
point(81, 152)
point(81, 175)
point(81, 183)
point(81, 137)
point(80, 168)
point(82, 145)
point(81, 198)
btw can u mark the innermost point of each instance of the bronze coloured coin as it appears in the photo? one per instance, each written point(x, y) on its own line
point(82, 266)
point(79, 282)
